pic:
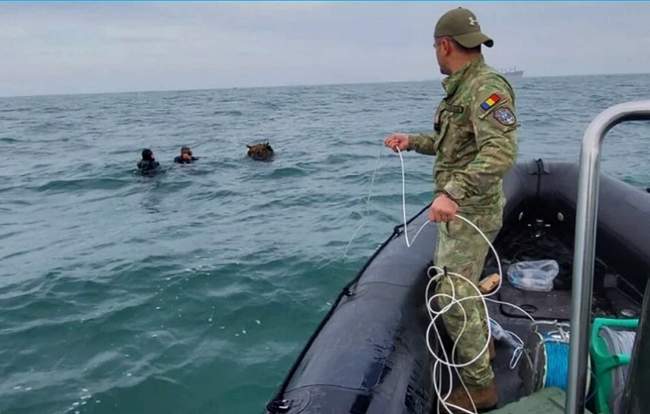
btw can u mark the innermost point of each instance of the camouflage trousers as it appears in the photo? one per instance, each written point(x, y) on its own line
point(462, 250)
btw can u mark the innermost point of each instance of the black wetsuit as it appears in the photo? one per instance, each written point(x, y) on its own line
point(179, 160)
point(148, 166)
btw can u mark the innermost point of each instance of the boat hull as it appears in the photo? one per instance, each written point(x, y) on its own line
point(369, 353)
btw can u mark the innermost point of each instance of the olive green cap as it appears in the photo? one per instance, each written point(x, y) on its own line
point(462, 25)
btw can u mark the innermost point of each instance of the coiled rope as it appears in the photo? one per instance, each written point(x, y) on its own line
point(447, 362)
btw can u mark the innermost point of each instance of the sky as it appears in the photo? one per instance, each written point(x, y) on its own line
point(64, 48)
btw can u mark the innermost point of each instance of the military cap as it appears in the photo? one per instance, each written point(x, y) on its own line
point(462, 25)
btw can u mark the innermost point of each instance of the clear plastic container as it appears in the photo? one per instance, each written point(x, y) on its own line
point(537, 275)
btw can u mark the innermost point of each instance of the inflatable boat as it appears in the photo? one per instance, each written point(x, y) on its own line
point(369, 354)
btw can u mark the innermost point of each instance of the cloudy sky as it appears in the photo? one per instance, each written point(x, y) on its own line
point(96, 47)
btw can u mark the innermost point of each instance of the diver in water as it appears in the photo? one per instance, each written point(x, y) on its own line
point(260, 152)
point(185, 157)
point(148, 164)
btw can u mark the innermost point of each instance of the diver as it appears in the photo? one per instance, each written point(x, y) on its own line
point(260, 152)
point(148, 164)
point(186, 156)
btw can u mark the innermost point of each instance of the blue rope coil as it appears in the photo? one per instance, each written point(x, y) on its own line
point(557, 363)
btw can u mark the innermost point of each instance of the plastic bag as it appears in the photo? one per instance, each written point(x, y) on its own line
point(537, 275)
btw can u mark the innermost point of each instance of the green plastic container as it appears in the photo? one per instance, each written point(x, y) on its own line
point(604, 362)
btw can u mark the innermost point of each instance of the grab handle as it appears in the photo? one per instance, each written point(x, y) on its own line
point(585, 243)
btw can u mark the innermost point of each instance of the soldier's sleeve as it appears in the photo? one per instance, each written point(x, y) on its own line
point(422, 143)
point(494, 122)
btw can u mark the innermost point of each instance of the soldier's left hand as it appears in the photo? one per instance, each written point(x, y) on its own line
point(443, 208)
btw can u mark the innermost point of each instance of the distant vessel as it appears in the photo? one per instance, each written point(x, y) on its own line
point(512, 73)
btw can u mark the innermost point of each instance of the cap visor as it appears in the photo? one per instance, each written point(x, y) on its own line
point(471, 40)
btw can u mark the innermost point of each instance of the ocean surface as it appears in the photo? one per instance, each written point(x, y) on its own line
point(193, 291)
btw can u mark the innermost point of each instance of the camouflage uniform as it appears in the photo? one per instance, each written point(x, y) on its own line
point(475, 144)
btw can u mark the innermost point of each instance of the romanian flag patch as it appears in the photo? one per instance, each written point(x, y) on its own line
point(490, 102)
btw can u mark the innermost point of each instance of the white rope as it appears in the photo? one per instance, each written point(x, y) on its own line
point(409, 243)
point(364, 216)
point(448, 361)
point(367, 212)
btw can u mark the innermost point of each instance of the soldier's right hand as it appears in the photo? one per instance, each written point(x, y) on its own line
point(397, 141)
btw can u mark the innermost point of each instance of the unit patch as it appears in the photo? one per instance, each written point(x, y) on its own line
point(504, 116)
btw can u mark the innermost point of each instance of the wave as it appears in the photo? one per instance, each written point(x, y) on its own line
point(9, 110)
point(285, 172)
point(82, 184)
point(9, 140)
point(229, 113)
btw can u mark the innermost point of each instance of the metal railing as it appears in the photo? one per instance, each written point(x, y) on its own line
point(585, 243)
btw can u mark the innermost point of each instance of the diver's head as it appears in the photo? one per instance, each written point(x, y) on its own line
point(186, 152)
point(147, 154)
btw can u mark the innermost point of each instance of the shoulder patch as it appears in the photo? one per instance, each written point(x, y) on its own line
point(490, 101)
point(504, 116)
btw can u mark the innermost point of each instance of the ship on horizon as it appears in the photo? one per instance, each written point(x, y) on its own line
point(512, 73)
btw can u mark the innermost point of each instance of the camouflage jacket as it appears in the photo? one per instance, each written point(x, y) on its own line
point(474, 138)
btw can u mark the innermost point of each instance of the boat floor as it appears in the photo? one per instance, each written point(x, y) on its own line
point(545, 401)
point(613, 297)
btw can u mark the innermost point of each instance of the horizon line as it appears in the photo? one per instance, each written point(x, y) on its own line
point(117, 92)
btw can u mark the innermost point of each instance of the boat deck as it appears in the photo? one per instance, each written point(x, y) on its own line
point(546, 401)
point(613, 296)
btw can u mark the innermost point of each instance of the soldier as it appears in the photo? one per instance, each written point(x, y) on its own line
point(474, 141)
